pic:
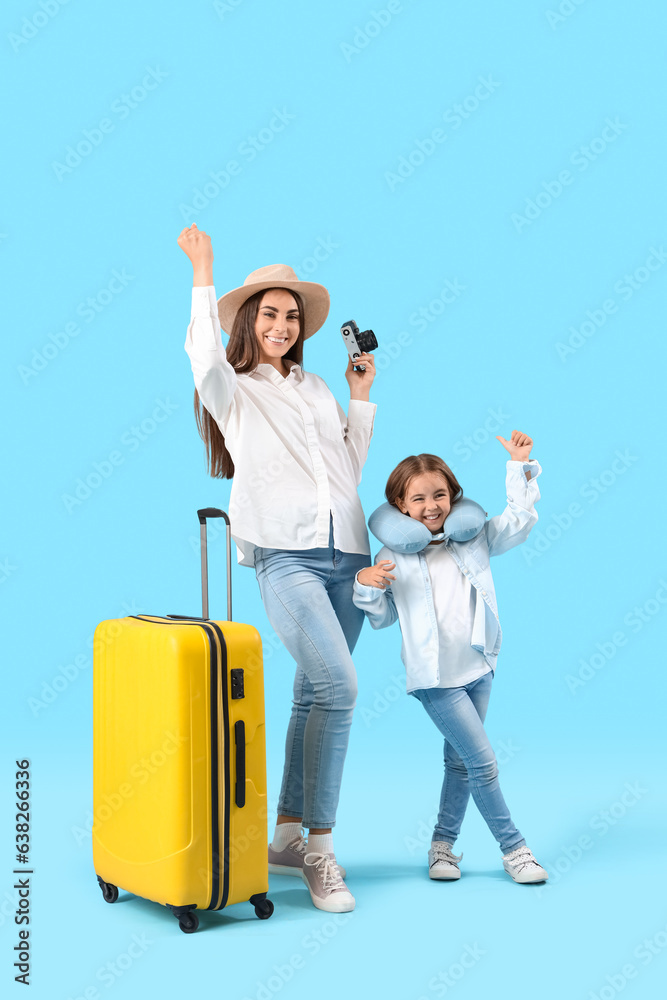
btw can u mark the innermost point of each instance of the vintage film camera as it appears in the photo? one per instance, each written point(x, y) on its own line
point(358, 341)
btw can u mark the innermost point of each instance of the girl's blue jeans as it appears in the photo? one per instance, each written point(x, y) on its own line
point(470, 763)
point(307, 595)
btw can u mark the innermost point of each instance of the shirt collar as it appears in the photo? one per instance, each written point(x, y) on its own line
point(268, 371)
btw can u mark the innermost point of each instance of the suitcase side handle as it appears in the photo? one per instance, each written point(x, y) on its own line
point(239, 740)
point(203, 514)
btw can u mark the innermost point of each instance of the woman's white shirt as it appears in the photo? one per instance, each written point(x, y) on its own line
point(296, 454)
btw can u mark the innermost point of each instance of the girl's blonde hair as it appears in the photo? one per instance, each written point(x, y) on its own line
point(243, 355)
point(415, 465)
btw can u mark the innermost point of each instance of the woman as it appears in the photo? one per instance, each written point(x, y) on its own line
point(296, 462)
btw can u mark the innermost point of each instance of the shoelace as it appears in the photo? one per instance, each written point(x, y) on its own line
point(298, 845)
point(522, 858)
point(444, 854)
point(327, 869)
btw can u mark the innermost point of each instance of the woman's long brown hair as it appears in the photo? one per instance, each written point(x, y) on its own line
point(243, 355)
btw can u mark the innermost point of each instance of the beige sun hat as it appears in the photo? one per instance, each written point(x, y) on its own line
point(315, 297)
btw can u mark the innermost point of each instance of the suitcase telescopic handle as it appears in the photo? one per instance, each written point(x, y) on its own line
point(203, 514)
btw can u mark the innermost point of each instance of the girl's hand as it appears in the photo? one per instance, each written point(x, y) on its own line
point(377, 575)
point(197, 245)
point(519, 446)
point(360, 382)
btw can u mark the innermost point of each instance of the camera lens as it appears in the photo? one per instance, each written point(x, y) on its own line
point(367, 340)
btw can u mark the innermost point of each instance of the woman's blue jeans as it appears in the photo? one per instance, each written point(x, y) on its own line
point(470, 763)
point(307, 595)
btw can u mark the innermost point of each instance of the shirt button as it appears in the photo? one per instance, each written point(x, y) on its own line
point(483, 593)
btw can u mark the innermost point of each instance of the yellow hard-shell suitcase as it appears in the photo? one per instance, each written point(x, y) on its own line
point(179, 758)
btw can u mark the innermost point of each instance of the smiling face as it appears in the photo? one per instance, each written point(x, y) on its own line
point(276, 326)
point(427, 499)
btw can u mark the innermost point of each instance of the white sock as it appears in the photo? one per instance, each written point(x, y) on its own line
point(283, 834)
point(321, 843)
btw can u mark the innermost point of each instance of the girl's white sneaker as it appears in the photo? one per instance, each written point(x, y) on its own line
point(522, 866)
point(442, 863)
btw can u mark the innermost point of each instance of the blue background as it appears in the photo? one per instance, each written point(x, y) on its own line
point(576, 713)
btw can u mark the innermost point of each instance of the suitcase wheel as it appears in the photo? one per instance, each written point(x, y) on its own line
point(188, 922)
point(109, 891)
point(264, 909)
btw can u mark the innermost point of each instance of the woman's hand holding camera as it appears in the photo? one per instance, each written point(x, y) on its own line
point(360, 382)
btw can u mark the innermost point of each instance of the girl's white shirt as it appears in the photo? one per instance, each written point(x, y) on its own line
point(297, 455)
point(454, 600)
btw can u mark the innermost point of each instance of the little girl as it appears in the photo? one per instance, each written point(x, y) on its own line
point(445, 601)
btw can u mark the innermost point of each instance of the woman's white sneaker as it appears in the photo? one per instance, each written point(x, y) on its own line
point(289, 861)
point(442, 864)
point(325, 883)
point(522, 866)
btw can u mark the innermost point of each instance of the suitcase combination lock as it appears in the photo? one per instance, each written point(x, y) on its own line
point(237, 683)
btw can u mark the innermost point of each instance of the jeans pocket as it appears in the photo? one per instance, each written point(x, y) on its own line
point(263, 557)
